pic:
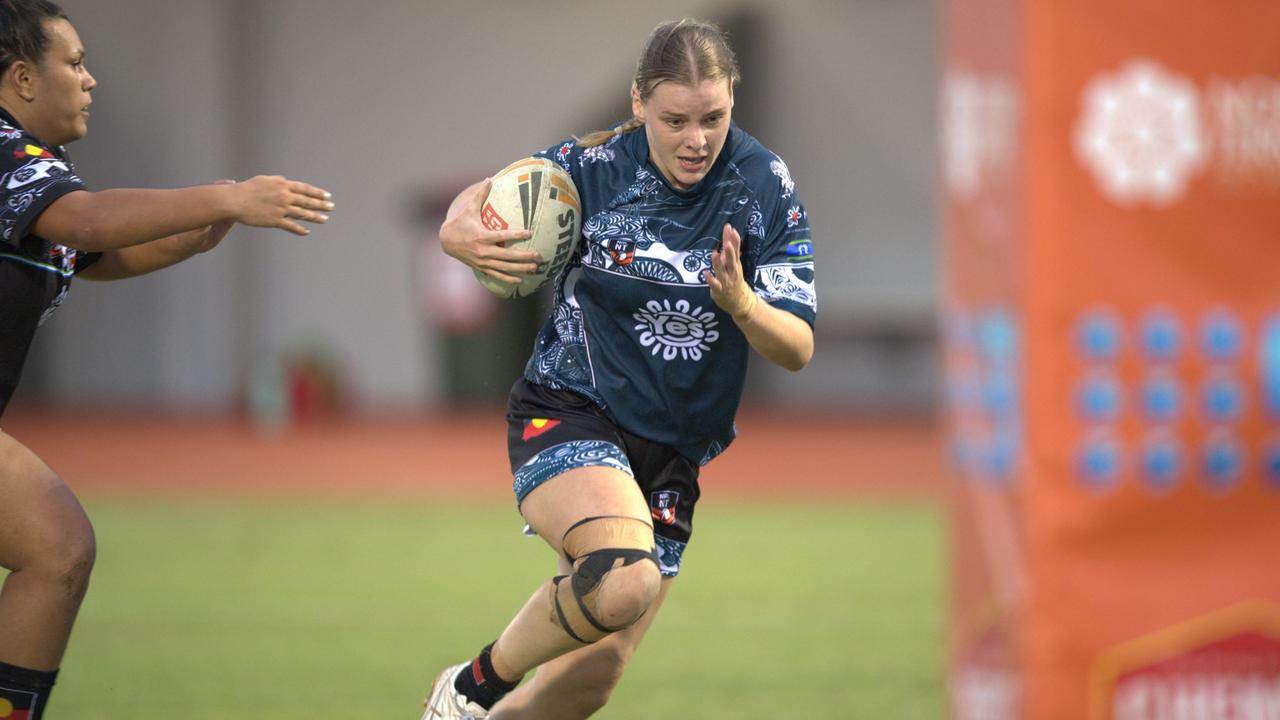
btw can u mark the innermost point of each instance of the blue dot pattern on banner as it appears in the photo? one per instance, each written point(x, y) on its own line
point(1193, 400)
point(1223, 399)
point(1161, 463)
point(1223, 463)
point(1161, 336)
point(1161, 397)
point(1099, 336)
point(1099, 397)
point(1222, 336)
point(1099, 461)
point(1272, 464)
point(984, 393)
point(1269, 367)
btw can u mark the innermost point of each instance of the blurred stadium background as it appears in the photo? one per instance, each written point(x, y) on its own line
point(293, 447)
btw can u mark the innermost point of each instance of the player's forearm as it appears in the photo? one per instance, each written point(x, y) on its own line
point(782, 338)
point(115, 219)
point(147, 257)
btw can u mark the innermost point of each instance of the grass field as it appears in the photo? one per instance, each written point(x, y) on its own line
point(203, 609)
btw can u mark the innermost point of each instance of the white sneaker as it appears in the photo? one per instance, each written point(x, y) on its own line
point(445, 703)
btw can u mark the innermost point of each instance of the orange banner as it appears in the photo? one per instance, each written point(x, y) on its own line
point(1112, 345)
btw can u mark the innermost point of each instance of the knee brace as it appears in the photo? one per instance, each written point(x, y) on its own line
point(597, 546)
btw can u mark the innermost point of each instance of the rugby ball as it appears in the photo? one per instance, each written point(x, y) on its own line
point(537, 195)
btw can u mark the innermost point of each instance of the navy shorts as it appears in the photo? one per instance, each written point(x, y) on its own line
point(552, 431)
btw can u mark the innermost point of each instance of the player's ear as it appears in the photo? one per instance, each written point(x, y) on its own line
point(21, 77)
point(637, 105)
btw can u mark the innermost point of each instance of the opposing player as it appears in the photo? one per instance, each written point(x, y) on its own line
point(695, 248)
point(51, 229)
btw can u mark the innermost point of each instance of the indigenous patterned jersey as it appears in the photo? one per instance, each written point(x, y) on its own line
point(634, 327)
point(34, 273)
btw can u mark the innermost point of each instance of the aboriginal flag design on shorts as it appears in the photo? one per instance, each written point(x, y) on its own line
point(17, 704)
point(556, 429)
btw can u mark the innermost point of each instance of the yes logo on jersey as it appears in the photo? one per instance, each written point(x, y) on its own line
point(676, 330)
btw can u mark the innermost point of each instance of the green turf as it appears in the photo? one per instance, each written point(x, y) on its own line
point(285, 611)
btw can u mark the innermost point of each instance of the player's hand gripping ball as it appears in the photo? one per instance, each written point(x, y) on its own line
point(537, 195)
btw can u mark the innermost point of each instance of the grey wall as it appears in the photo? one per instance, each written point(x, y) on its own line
point(382, 100)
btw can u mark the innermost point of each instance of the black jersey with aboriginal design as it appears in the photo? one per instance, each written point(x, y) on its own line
point(34, 273)
point(634, 327)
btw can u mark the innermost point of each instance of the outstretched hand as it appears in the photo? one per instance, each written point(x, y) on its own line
point(729, 289)
point(464, 237)
point(271, 201)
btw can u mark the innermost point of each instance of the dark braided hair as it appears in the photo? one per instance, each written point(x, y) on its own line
point(22, 30)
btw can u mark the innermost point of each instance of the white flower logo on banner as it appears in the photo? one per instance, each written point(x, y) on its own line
point(1140, 135)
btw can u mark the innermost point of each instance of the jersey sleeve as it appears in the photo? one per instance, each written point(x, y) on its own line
point(31, 178)
point(567, 155)
point(581, 162)
point(784, 269)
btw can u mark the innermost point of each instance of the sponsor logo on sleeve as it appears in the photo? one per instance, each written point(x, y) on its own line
point(800, 250)
point(34, 171)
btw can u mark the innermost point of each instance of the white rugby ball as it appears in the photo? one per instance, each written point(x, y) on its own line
point(537, 195)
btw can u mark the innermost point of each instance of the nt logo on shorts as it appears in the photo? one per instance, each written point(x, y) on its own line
point(662, 504)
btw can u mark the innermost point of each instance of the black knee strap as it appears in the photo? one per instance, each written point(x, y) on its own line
point(591, 571)
point(564, 621)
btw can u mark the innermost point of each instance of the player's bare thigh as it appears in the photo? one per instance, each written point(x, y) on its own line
point(557, 504)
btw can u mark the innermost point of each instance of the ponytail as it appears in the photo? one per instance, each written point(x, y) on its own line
point(601, 137)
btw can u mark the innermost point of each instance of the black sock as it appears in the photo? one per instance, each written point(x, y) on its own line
point(24, 690)
point(480, 684)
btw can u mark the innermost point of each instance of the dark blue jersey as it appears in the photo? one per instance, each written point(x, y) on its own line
point(634, 327)
point(34, 273)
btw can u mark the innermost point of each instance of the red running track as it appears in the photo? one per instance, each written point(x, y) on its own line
point(455, 455)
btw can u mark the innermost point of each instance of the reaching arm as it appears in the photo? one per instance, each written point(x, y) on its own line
point(155, 255)
point(782, 338)
point(116, 219)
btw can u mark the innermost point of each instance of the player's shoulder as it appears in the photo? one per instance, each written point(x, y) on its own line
point(12, 136)
point(18, 147)
point(761, 166)
point(573, 156)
